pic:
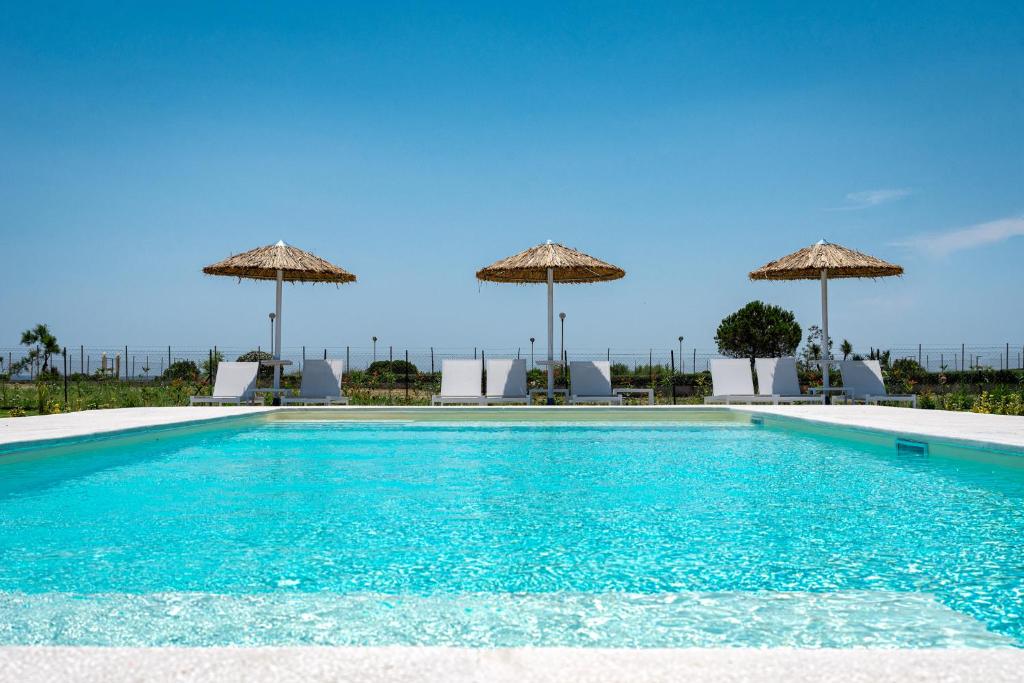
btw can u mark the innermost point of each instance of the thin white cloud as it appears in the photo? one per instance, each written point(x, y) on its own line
point(871, 198)
point(971, 237)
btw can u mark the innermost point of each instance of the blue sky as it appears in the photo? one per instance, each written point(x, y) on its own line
point(413, 143)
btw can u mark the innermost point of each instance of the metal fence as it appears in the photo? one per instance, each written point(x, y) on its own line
point(140, 363)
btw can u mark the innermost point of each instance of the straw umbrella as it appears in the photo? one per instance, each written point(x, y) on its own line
point(823, 261)
point(282, 263)
point(550, 263)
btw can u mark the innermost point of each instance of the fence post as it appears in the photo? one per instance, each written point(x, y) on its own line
point(210, 373)
point(566, 377)
point(407, 375)
point(81, 358)
point(348, 365)
point(694, 366)
point(431, 363)
point(963, 368)
point(168, 356)
point(672, 359)
point(126, 362)
point(918, 354)
point(65, 354)
point(325, 354)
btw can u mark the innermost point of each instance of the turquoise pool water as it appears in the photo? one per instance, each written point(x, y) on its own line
point(643, 535)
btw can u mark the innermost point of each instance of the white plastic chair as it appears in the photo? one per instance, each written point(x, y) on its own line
point(321, 384)
point(234, 384)
point(592, 382)
point(506, 381)
point(732, 382)
point(777, 377)
point(460, 383)
point(862, 380)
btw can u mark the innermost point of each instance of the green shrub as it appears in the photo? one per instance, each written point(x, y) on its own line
point(396, 367)
point(903, 369)
point(183, 370)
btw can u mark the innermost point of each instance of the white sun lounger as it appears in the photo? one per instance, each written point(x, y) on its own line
point(321, 384)
point(862, 380)
point(234, 384)
point(592, 382)
point(777, 377)
point(460, 383)
point(506, 381)
point(732, 382)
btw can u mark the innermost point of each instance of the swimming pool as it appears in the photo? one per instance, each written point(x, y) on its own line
point(699, 532)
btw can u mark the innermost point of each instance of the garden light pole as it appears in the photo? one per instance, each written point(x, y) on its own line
point(374, 349)
point(681, 368)
point(532, 365)
point(272, 316)
point(561, 357)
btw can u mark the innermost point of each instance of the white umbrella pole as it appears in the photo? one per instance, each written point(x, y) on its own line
point(824, 331)
point(277, 331)
point(551, 336)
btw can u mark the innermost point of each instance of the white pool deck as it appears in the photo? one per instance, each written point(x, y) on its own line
point(520, 665)
point(971, 429)
point(457, 665)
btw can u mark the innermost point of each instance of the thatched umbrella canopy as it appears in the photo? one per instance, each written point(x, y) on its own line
point(550, 263)
point(293, 264)
point(566, 265)
point(823, 261)
point(283, 263)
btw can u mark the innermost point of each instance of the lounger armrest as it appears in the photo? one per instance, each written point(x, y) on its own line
point(215, 399)
point(440, 398)
point(611, 398)
point(896, 398)
point(649, 392)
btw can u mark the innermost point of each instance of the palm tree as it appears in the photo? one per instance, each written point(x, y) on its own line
point(45, 344)
point(847, 348)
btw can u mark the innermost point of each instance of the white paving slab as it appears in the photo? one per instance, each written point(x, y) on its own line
point(1006, 431)
point(519, 665)
point(14, 430)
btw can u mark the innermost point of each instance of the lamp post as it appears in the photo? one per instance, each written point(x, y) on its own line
point(681, 368)
point(272, 316)
point(532, 339)
point(561, 316)
point(374, 349)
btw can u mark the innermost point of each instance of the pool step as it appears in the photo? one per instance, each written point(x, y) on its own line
point(689, 619)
